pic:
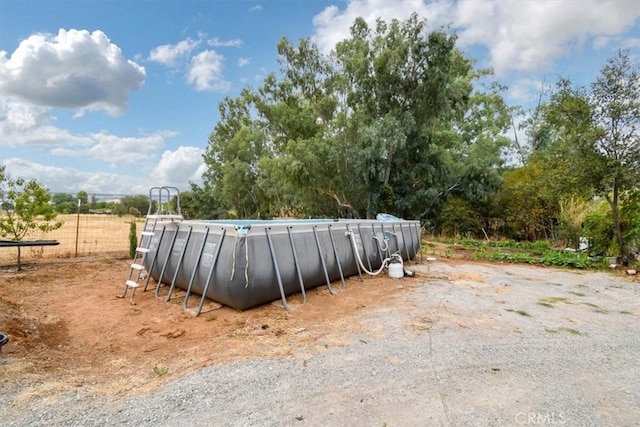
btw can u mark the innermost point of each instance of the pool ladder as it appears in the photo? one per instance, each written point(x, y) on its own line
point(138, 274)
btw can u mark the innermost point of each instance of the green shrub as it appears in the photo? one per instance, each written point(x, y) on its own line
point(598, 229)
point(133, 239)
point(458, 217)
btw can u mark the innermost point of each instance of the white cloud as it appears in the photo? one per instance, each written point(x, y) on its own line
point(74, 69)
point(178, 168)
point(118, 150)
point(70, 180)
point(525, 35)
point(26, 124)
point(332, 24)
point(216, 42)
point(529, 35)
point(168, 54)
point(526, 89)
point(205, 72)
point(242, 62)
point(256, 8)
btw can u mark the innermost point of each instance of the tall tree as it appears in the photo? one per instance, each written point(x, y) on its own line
point(600, 130)
point(388, 122)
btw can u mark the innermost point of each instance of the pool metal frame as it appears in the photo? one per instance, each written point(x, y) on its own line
point(279, 257)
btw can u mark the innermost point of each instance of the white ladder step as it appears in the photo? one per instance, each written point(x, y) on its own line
point(132, 284)
point(148, 233)
point(137, 267)
point(142, 250)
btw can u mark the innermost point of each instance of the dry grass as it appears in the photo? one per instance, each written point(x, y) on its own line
point(79, 235)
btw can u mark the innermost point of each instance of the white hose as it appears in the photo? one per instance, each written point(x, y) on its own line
point(355, 248)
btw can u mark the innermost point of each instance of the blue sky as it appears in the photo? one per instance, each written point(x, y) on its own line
point(117, 96)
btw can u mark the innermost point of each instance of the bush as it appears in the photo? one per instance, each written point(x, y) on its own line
point(133, 239)
point(458, 217)
point(598, 229)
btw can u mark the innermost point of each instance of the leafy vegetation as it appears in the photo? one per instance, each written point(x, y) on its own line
point(397, 119)
point(26, 207)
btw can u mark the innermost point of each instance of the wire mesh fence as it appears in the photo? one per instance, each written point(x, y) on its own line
point(80, 235)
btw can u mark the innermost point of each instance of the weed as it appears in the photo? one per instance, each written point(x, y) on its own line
point(590, 304)
point(212, 318)
point(545, 304)
point(571, 331)
point(160, 370)
point(550, 301)
point(578, 294)
point(241, 322)
point(625, 312)
point(520, 312)
point(551, 331)
point(299, 418)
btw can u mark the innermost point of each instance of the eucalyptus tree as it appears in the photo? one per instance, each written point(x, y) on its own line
point(235, 148)
point(389, 121)
point(418, 117)
point(303, 115)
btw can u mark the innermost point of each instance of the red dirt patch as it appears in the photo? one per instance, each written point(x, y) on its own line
point(68, 329)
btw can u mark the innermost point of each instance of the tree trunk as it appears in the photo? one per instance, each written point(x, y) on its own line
point(615, 211)
point(19, 263)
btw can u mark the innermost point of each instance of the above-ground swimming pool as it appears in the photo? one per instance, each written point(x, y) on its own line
point(246, 263)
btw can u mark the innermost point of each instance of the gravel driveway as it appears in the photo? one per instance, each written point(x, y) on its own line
point(471, 345)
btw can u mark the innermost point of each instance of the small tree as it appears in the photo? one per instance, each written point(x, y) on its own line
point(27, 208)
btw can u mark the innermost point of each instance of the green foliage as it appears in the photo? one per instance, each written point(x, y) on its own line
point(133, 238)
point(528, 204)
point(458, 217)
point(63, 203)
point(598, 229)
point(390, 123)
point(571, 221)
point(630, 219)
point(28, 208)
point(139, 202)
point(600, 130)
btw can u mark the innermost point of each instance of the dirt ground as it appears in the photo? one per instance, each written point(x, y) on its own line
point(68, 328)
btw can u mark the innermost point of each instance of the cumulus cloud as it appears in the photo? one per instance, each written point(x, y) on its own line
point(117, 150)
point(332, 24)
point(205, 72)
point(524, 35)
point(70, 180)
point(168, 54)
point(73, 69)
point(178, 168)
point(530, 35)
point(242, 62)
point(26, 124)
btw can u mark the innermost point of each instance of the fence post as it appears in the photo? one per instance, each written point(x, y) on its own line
point(77, 227)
